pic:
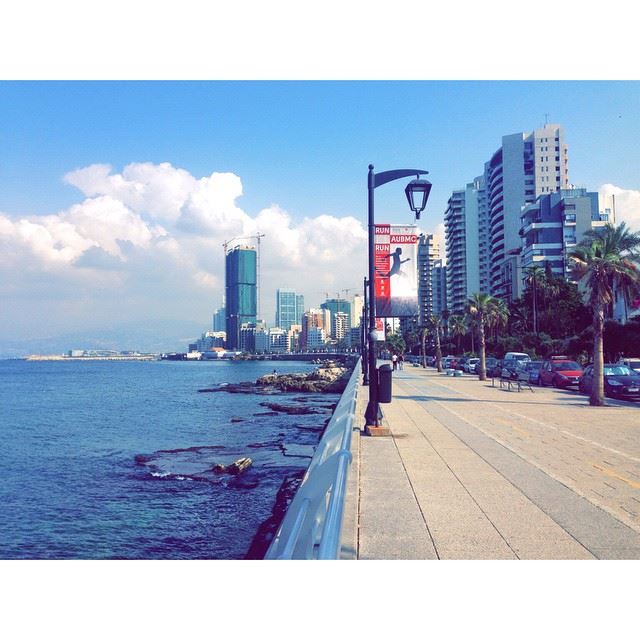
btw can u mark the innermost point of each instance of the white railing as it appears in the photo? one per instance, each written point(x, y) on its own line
point(312, 526)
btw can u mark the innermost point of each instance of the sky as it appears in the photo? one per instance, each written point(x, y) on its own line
point(116, 197)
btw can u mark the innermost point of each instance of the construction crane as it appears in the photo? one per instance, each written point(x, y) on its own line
point(257, 237)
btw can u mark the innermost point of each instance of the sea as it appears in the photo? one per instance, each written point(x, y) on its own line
point(114, 460)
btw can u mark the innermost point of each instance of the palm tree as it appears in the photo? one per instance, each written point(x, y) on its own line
point(483, 308)
point(470, 321)
point(458, 327)
point(434, 324)
point(605, 261)
point(498, 316)
point(534, 278)
point(424, 331)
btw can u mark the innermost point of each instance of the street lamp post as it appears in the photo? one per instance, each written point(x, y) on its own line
point(417, 192)
point(363, 334)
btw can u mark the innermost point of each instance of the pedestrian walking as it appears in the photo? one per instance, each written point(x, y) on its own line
point(394, 361)
point(401, 361)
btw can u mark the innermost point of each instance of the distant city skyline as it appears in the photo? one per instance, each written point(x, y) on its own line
point(115, 198)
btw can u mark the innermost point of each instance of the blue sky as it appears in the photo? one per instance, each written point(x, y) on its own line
point(115, 197)
point(304, 145)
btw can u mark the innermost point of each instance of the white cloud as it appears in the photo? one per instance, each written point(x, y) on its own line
point(627, 204)
point(147, 243)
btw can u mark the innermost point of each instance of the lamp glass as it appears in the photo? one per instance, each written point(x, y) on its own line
point(417, 192)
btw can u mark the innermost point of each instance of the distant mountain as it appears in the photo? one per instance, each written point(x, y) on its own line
point(154, 336)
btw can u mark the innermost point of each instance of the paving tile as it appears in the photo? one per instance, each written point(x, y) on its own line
point(493, 475)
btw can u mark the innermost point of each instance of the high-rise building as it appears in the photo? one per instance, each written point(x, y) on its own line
point(556, 222)
point(299, 308)
point(337, 305)
point(525, 167)
point(314, 319)
point(357, 306)
point(240, 290)
point(439, 287)
point(278, 340)
point(341, 322)
point(286, 308)
point(462, 221)
point(219, 319)
point(482, 221)
point(428, 254)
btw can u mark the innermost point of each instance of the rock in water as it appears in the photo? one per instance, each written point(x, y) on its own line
point(240, 465)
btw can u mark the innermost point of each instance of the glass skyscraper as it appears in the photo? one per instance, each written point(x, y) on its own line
point(241, 291)
point(286, 308)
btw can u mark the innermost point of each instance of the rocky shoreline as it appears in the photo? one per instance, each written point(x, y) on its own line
point(329, 377)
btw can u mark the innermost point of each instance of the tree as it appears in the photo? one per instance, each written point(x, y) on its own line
point(483, 306)
point(458, 327)
point(396, 343)
point(434, 325)
point(605, 261)
point(535, 277)
point(498, 316)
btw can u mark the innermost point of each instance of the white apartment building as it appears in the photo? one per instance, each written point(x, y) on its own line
point(525, 167)
point(428, 255)
point(463, 222)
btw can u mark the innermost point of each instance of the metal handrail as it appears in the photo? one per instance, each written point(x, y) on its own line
point(312, 526)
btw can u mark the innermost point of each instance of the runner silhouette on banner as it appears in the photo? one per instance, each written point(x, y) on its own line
point(397, 264)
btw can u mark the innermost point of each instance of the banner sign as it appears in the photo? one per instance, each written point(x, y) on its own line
point(396, 270)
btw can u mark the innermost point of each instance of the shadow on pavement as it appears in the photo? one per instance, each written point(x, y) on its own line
point(500, 400)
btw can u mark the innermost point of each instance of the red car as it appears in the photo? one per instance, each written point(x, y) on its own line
point(560, 372)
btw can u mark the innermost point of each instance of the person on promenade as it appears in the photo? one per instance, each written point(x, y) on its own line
point(400, 361)
point(394, 361)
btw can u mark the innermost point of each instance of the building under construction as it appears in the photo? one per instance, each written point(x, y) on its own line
point(241, 291)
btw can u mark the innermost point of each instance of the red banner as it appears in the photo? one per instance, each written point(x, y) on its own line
point(395, 265)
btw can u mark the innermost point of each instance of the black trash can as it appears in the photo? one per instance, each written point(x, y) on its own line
point(384, 383)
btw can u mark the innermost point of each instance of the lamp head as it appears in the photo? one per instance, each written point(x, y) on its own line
point(417, 195)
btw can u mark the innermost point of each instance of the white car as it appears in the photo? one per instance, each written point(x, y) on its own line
point(632, 363)
point(470, 365)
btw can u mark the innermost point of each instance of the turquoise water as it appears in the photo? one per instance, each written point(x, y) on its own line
point(113, 459)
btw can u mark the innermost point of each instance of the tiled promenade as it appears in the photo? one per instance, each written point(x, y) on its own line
point(473, 471)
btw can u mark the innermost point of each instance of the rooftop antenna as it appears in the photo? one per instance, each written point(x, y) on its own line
point(546, 119)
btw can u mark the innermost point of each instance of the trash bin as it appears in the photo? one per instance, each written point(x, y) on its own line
point(384, 383)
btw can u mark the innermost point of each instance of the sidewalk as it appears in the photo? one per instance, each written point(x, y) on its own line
point(476, 472)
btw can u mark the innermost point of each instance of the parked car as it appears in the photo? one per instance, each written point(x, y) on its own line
point(495, 371)
point(532, 369)
point(510, 369)
point(489, 363)
point(560, 372)
point(461, 362)
point(619, 382)
point(516, 355)
point(450, 362)
point(632, 363)
point(470, 365)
